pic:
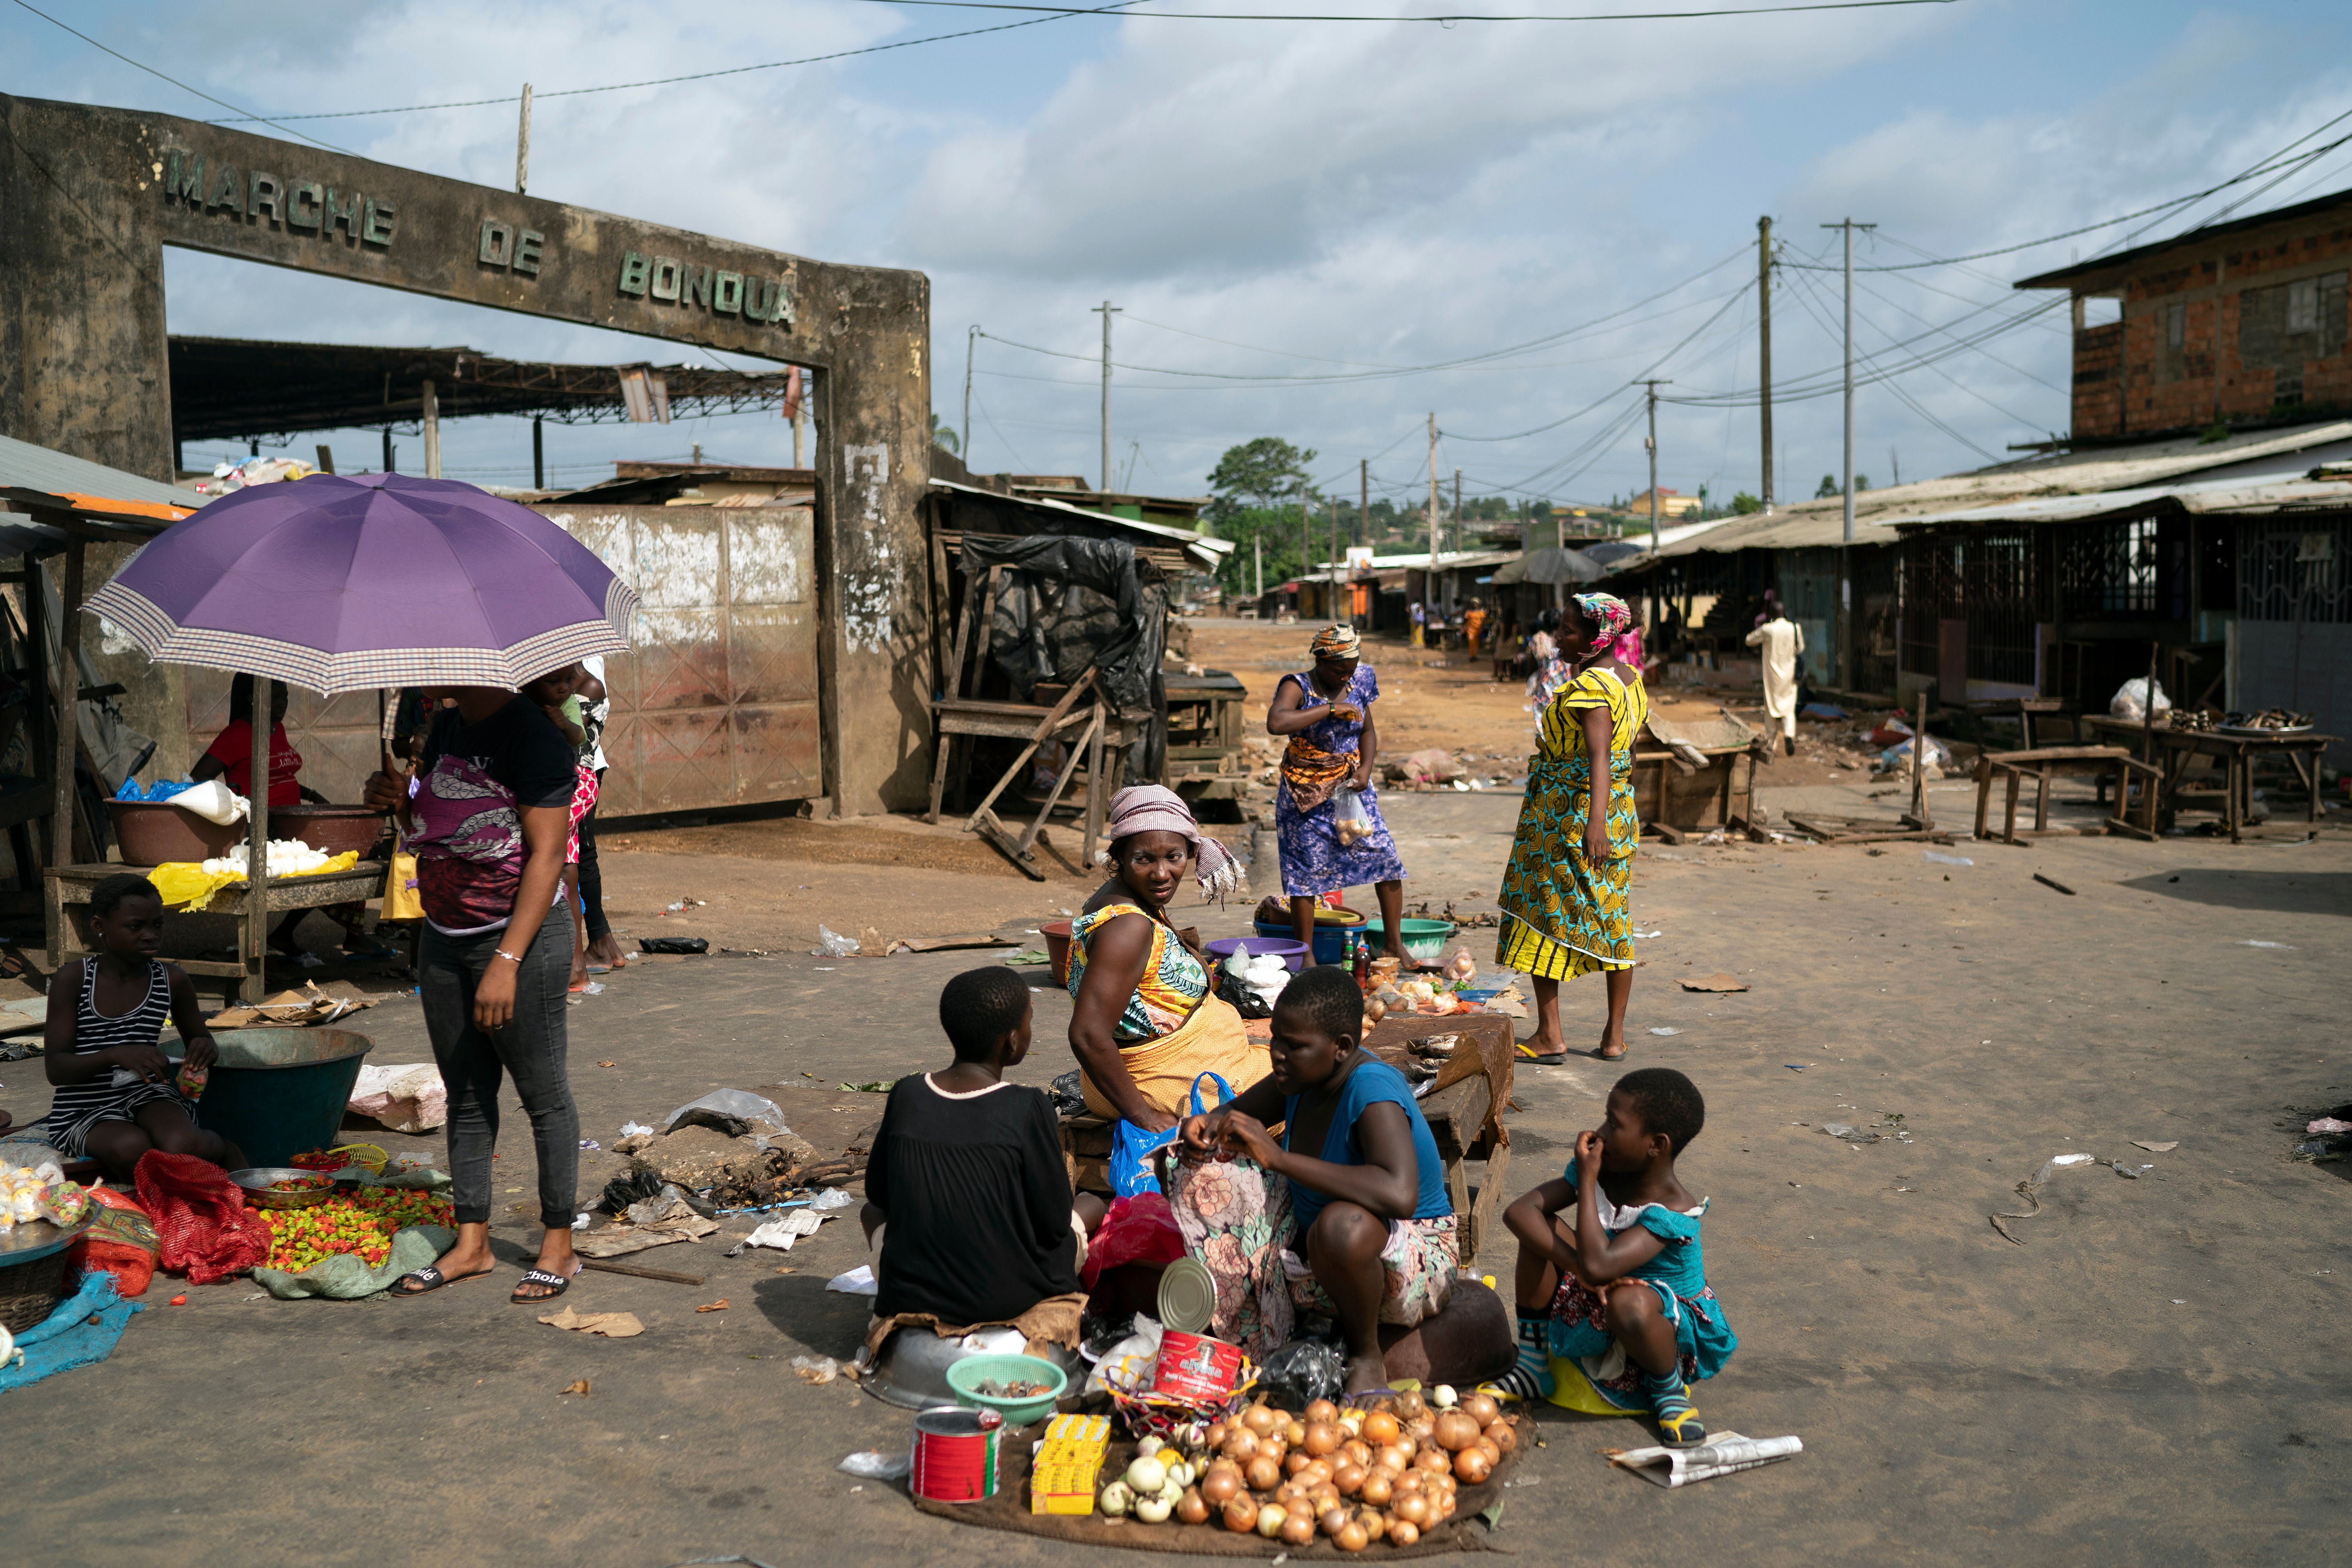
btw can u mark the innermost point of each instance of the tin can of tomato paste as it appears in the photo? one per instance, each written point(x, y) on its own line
point(1195, 1368)
point(955, 1454)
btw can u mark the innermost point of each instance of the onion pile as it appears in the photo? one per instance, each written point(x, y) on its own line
point(1354, 1477)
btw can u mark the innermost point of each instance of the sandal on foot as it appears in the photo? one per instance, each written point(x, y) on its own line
point(1541, 1058)
point(560, 1282)
point(429, 1280)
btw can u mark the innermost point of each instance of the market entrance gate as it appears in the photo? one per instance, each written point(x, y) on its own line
point(89, 196)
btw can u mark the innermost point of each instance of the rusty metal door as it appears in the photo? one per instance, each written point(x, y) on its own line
point(716, 703)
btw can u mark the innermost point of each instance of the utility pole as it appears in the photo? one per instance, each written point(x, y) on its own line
point(1257, 563)
point(522, 144)
point(1364, 499)
point(1651, 442)
point(964, 435)
point(1108, 311)
point(1764, 347)
point(1846, 550)
point(1332, 515)
point(1432, 585)
point(1457, 509)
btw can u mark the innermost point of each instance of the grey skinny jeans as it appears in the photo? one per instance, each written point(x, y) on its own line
point(533, 1048)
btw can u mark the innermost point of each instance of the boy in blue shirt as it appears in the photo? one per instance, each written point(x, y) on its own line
point(1374, 1223)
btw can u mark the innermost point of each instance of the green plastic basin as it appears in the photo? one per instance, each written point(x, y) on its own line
point(1424, 940)
point(276, 1093)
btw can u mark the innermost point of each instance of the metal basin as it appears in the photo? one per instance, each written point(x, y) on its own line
point(911, 1372)
point(276, 1093)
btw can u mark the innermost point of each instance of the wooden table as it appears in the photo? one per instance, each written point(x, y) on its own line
point(2238, 754)
point(2027, 711)
point(1464, 1107)
point(68, 888)
point(2043, 763)
point(1099, 736)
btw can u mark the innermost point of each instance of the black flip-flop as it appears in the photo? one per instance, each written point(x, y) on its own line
point(431, 1280)
point(1541, 1059)
point(539, 1277)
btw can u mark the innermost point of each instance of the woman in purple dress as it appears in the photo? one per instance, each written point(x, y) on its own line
point(1327, 711)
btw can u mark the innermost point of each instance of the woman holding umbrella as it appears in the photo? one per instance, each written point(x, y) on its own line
point(487, 813)
point(384, 581)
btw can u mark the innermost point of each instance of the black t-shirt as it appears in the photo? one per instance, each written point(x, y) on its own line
point(978, 1203)
point(471, 783)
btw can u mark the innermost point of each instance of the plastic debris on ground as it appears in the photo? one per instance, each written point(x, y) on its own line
point(636, 1130)
point(858, 1281)
point(874, 1466)
point(831, 1198)
point(2317, 1124)
point(404, 1097)
point(780, 1232)
point(2025, 1189)
point(612, 1325)
point(736, 1113)
point(817, 1369)
point(673, 944)
point(2250, 941)
point(1945, 859)
point(1720, 1455)
point(831, 943)
point(1665, 1031)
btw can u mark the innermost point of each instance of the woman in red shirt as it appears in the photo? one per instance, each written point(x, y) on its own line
point(230, 759)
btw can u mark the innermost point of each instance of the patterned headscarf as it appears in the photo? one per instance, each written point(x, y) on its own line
point(1336, 641)
point(1150, 808)
point(1614, 633)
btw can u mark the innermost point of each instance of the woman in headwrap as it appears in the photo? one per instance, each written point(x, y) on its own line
point(1327, 711)
point(1147, 1019)
point(1563, 898)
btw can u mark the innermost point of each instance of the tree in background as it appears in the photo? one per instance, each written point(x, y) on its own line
point(1262, 474)
point(1829, 485)
point(1275, 532)
point(943, 436)
point(1743, 504)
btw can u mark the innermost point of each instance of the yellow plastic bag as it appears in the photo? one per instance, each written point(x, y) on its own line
point(186, 882)
point(401, 901)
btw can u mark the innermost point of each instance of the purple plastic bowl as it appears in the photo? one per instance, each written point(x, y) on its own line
point(1292, 951)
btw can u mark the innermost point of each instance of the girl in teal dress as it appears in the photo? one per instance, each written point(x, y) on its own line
point(1621, 1292)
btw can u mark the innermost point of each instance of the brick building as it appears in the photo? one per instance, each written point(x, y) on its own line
point(2241, 323)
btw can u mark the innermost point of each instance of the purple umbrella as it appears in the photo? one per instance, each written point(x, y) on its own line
point(346, 584)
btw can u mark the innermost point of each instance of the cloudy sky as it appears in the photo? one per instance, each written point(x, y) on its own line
point(1298, 219)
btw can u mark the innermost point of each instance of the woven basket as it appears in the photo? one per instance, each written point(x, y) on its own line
point(30, 1291)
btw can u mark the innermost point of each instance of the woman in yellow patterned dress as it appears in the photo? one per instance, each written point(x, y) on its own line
point(1564, 896)
point(1145, 1019)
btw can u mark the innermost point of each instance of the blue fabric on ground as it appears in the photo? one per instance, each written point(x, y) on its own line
point(69, 1337)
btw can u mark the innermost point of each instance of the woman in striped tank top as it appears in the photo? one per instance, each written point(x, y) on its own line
point(115, 1096)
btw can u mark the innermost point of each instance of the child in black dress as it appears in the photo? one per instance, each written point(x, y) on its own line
point(116, 1092)
point(967, 1172)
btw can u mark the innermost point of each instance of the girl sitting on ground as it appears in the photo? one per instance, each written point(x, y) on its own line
point(1622, 1290)
point(967, 1174)
point(1373, 1224)
point(116, 1097)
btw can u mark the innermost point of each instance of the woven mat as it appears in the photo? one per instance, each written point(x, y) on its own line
point(1009, 1509)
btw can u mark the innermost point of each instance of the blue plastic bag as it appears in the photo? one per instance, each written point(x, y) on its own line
point(1132, 1148)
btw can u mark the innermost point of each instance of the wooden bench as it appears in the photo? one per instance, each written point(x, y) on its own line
point(2044, 763)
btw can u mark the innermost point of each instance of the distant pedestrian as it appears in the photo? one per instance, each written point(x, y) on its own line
point(1781, 640)
point(1420, 617)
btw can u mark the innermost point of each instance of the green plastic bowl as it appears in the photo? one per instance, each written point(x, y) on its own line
point(1424, 940)
point(963, 1376)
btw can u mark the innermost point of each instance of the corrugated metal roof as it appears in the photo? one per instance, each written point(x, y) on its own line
point(42, 469)
point(2103, 479)
point(1205, 548)
point(2216, 498)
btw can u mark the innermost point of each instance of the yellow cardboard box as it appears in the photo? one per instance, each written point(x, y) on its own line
point(1061, 1477)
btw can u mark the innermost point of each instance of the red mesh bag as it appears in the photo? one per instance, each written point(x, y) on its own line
point(120, 1240)
point(201, 1220)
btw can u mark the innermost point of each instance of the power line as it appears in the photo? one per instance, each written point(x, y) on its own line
point(183, 86)
point(2266, 166)
point(1448, 20)
point(667, 80)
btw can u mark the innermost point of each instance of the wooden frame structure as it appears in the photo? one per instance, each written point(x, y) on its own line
point(2045, 763)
